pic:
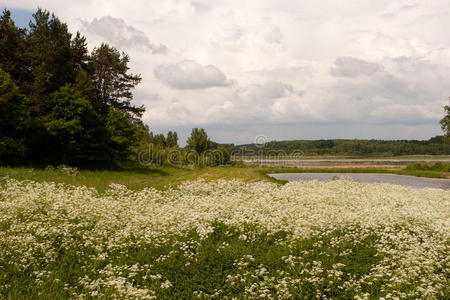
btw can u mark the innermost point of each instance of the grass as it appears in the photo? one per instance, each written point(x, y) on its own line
point(161, 177)
point(135, 177)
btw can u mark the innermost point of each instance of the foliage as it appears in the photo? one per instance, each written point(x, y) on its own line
point(50, 56)
point(112, 83)
point(224, 239)
point(438, 166)
point(217, 157)
point(84, 86)
point(445, 124)
point(12, 39)
point(123, 134)
point(172, 139)
point(14, 114)
point(299, 148)
point(80, 109)
point(159, 139)
point(198, 141)
point(74, 129)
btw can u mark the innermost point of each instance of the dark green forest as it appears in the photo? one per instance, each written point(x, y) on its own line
point(433, 146)
point(61, 104)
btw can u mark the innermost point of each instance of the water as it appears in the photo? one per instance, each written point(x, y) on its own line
point(418, 182)
point(350, 160)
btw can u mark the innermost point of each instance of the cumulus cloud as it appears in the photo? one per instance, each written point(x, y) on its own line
point(409, 90)
point(242, 38)
point(300, 69)
point(354, 67)
point(405, 92)
point(267, 92)
point(189, 74)
point(117, 32)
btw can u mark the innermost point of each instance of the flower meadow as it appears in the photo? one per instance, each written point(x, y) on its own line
point(225, 240)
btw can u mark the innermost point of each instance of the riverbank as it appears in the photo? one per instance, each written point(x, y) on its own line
point(162, 177)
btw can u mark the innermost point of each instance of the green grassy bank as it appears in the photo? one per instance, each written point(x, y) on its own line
point(160, 177)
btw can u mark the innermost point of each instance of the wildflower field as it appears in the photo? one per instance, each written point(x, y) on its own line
point(224, 239)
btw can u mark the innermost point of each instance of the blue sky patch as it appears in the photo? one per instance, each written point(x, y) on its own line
point(21, 17)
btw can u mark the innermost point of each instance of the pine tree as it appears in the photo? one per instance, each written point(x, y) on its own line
point(112, 83)
point(12, 45)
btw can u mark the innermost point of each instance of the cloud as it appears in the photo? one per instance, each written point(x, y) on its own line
point(189, 74)
point(288, 72)
point(243, 38)
point(300, 69)
point(405, 92)
point(201, 7)
point(267, 92)
point(354, 67)
point(409, 90)
point(118, 33)
point(272, 34)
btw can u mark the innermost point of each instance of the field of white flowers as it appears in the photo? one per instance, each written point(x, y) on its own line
point(224, 239)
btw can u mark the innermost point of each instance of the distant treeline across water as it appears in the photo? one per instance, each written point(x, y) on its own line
point(433, 146)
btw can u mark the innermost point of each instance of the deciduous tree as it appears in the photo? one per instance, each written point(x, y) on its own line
point(445, 124)
point(14, 114)
point(75, 131)
point(198, 140)
point(123, 135)
point(172, 139)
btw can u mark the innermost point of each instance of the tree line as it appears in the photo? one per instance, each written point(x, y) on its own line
point(61, 104)
point(438, 145)
point(199, 150)
point(434, 146)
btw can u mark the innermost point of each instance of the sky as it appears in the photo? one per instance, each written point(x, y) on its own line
point(281, 69)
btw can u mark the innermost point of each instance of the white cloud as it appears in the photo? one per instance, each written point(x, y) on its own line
point(269, 90)
point(353, 67)
point(272, 34)
point(121, 35)
point(189, 74)
point(300, 68)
